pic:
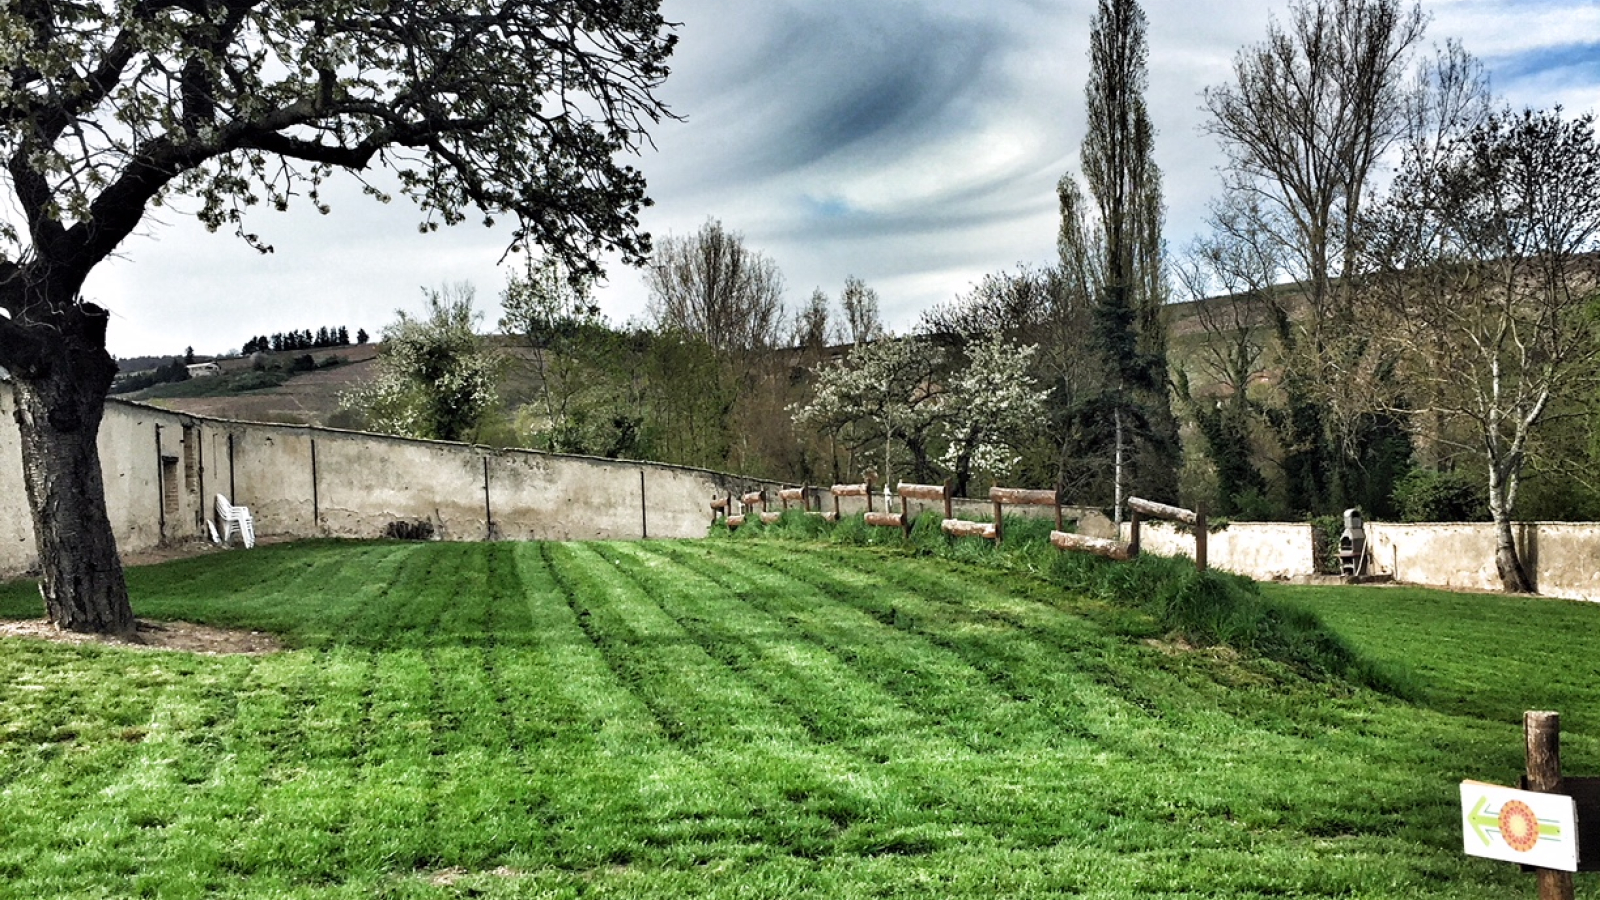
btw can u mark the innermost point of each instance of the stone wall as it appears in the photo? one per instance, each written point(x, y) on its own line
point(1563, 557)
point(1265, 551)
point(163, 471)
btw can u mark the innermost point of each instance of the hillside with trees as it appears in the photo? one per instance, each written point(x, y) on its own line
point(1294, 361)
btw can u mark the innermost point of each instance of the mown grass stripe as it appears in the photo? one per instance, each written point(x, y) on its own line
point(835, 779)
point(623, 783)
point(828, 696)
point(1020, 644)
point(936, 683)
point(989, 783)
point(489, 736)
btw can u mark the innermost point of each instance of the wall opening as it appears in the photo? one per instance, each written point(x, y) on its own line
point(169, 491)
point(191, 467)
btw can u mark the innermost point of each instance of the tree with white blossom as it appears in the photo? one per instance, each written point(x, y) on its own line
point(435, 378)
point(903, 396)
point(998, 406)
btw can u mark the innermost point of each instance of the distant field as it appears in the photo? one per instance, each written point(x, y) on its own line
point(751, 718)
point(274, 395)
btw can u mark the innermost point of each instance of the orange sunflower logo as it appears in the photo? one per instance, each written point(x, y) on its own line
point(1519, 827)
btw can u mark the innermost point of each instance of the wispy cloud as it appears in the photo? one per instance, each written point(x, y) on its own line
point(914, 144)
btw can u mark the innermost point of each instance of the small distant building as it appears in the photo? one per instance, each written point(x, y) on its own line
point(204, 370)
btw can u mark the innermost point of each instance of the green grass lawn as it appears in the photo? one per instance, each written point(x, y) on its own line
point(752, 719)
point(1478, 655)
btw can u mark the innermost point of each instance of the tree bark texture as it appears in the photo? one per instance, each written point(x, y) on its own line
point(1507, 558)
point(59, 408)
point(1542, 734)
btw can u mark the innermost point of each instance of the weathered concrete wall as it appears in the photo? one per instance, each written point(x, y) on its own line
point(163, 471)
point(143, 453)
point(1562, 557)
point(16, 528)
point(1266, 551)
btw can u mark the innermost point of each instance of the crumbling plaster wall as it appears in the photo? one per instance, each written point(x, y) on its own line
point(163, 471)
point(1563, 558)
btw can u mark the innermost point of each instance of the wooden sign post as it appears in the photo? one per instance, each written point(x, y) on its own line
point(1551, 826)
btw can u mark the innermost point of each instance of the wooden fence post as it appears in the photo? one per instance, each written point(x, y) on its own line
point(1543, 732)
point(1133, 534)
point(1200, 537)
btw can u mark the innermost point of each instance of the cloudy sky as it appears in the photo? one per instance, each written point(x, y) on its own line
point(913, 143)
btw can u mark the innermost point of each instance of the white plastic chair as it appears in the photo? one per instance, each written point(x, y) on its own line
point(236, 516)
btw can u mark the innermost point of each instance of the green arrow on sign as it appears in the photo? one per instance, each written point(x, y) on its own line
point(1481, 820)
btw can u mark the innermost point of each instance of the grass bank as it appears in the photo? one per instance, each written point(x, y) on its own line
point(723, 719)
point(1206, 609)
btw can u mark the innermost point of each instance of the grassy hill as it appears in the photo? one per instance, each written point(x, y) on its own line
point(273, 391)
point(737, 718)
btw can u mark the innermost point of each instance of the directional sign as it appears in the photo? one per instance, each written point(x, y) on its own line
point(1528, 827)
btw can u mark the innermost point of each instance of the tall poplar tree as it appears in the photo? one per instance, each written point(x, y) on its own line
point(1125, 184)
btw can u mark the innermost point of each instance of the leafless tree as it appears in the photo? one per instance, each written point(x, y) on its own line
point(1006, 304)
point(861, 316)
point(1309, 114)
point(1490, 288)
point(710, 285)
point(812, 325)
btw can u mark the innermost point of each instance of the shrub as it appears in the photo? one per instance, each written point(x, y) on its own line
point(1427, 495)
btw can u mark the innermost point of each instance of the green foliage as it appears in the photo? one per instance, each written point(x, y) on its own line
point(1226, 428)
point(1428, 495)
point(1326, 531)
point(225, 385)
point(172, 372)
point(435, 378)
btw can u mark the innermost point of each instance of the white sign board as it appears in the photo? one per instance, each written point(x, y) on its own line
point(1527, 827)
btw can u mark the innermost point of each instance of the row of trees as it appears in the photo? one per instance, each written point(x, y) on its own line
point(303, 340)
point(1448, 323)
point(1358, 344)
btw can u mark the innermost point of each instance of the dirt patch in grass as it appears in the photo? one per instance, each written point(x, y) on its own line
point(186, 636)
point(455, 874)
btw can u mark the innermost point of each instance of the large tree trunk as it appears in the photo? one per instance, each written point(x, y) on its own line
point(1513, 575)
point(1507, 560)
point(59, 407)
